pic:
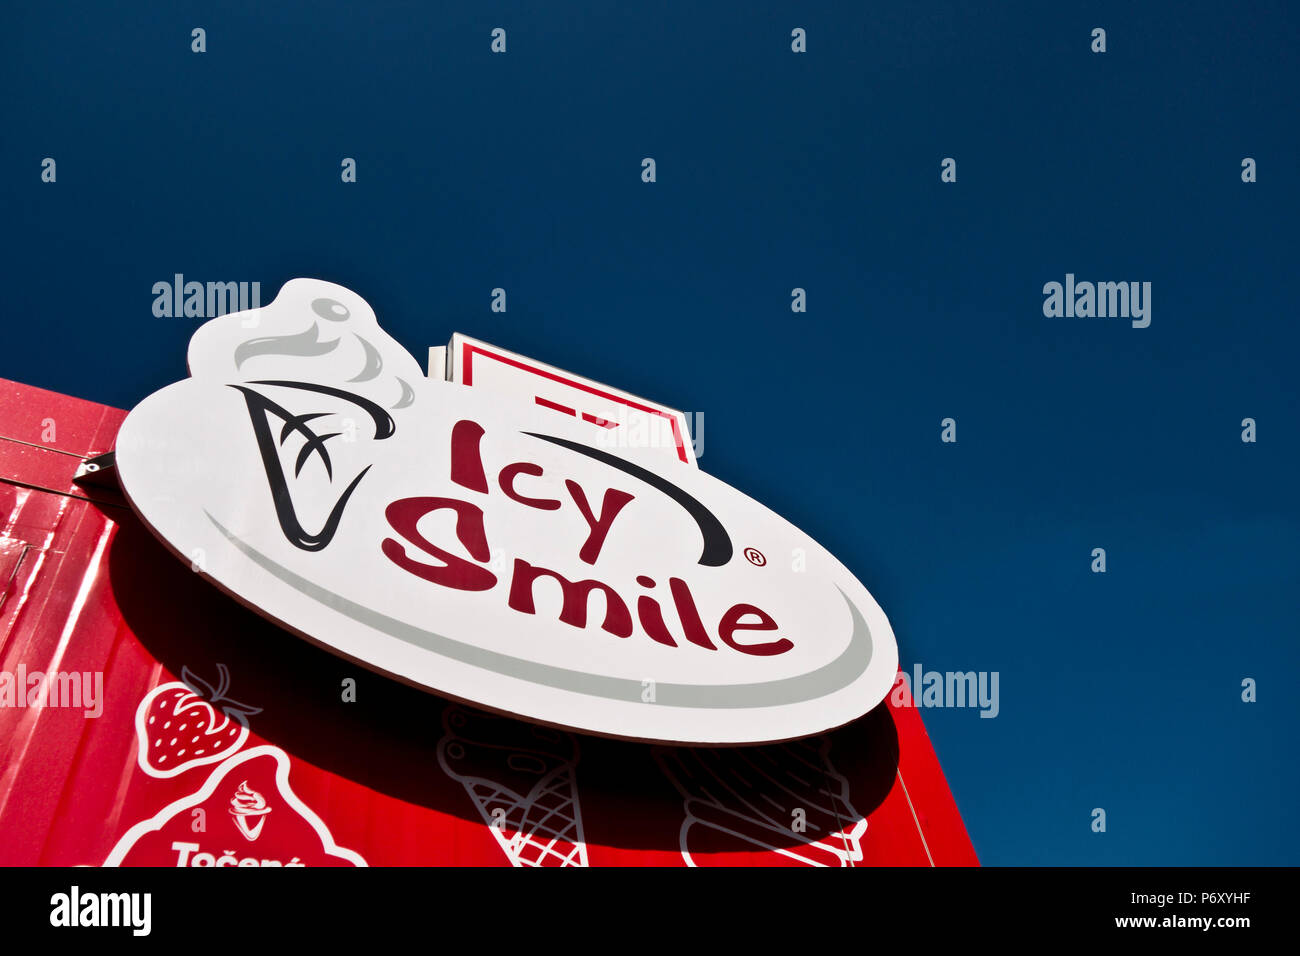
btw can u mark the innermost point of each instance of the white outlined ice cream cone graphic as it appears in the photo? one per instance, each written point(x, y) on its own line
point(523, 782)
point(785, 799)
point(248, 809)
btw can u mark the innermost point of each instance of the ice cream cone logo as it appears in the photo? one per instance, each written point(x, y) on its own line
point(319, 379)
point(782, 799)
point(522, 780)
point(247, 806)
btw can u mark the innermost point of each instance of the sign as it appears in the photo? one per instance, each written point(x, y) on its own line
point(388, 772)
point(617, 419)
point(489, 550)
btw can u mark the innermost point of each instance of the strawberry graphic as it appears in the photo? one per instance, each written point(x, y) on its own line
point(178, 726)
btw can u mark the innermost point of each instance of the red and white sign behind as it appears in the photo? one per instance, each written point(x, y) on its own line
point(624, 420)
point(297, 757)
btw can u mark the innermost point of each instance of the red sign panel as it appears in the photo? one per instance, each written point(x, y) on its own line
point(147, 719)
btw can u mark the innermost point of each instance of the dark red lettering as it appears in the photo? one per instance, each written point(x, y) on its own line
point(403, 515)
point(692, 626)
point(466, 461)
point(613, 503)
point(507, 482)
point(576, 594)
point(652, 618)
point(731, 622)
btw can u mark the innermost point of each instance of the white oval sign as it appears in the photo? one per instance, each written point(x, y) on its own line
point(487, 550)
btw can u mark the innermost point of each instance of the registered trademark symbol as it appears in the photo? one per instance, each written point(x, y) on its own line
point(755, 557)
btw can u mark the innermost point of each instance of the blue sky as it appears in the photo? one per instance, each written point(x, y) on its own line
point(776, 171)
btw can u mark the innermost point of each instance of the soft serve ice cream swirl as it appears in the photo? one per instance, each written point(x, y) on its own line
point(247, 806)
